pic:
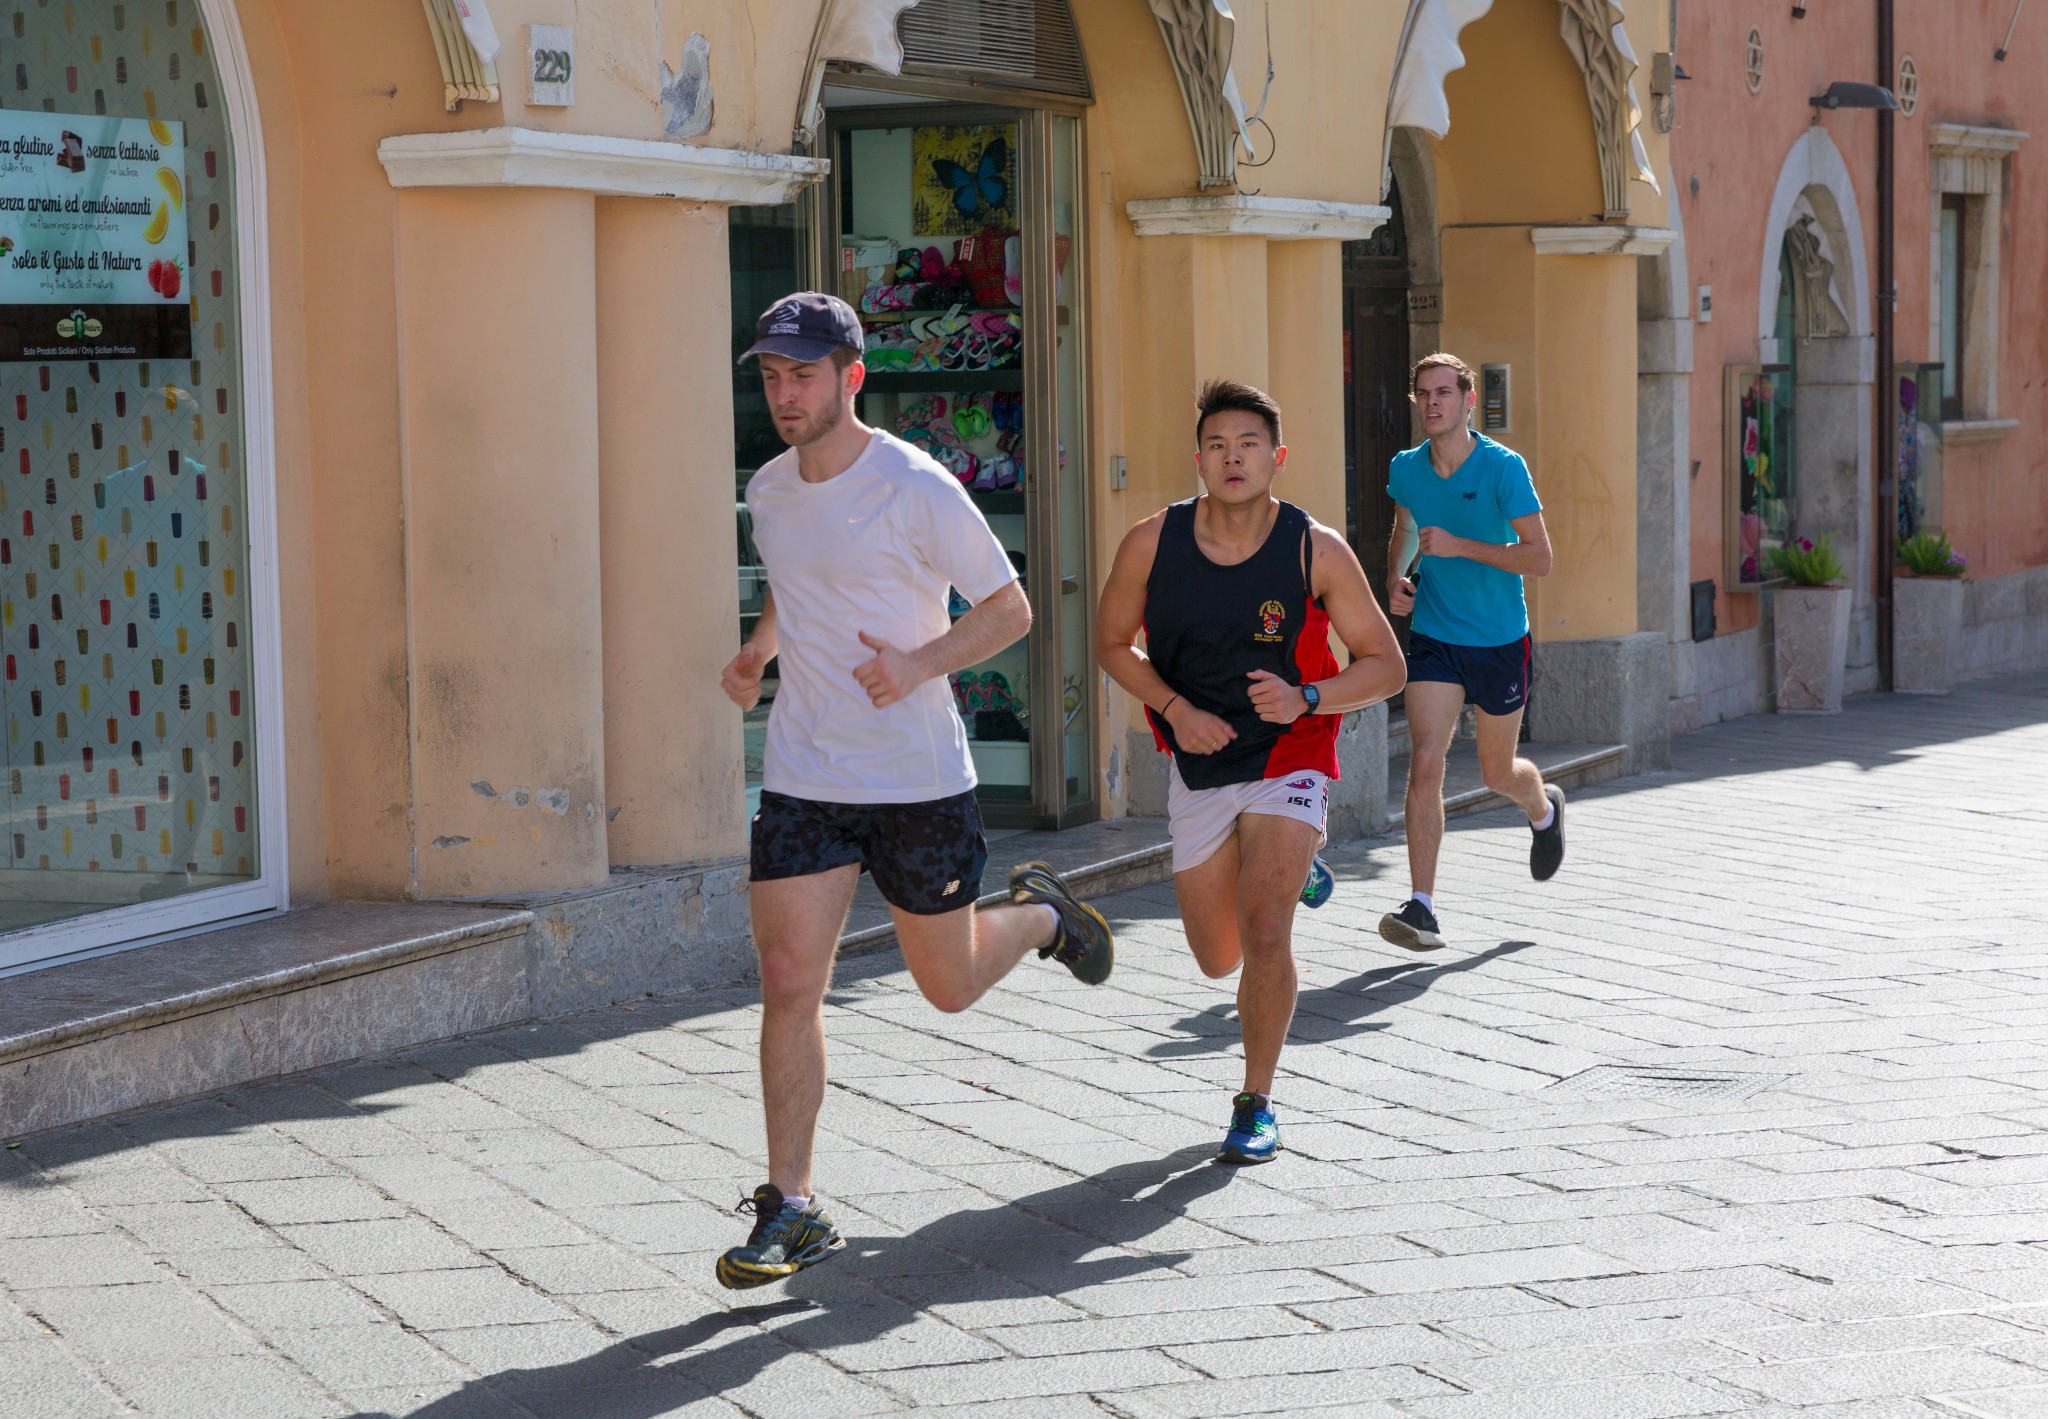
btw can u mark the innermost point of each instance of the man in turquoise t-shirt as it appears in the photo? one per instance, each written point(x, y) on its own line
point(1467, 505)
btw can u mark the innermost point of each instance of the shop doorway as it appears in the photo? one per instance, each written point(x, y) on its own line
point(955, 228)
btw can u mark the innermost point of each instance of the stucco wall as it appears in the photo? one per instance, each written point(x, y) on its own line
point(1733, 144)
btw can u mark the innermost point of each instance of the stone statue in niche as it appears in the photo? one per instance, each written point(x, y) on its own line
point(1199, 36)
point(1594, 33)
point(1818, 313)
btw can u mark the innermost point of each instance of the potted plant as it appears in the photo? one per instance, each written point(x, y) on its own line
point(1812, 627)
point(1927, 615)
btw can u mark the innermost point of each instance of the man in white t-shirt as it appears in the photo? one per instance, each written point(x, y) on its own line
point(863, 537)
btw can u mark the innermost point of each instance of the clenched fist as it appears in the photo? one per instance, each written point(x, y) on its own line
point(742, 679)
point(1197, 731)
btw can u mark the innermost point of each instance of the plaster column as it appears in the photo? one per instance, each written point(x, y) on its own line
point(498, 437)
point(672, 742)
point(1305, 364)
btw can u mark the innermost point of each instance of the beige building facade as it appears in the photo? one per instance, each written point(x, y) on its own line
point(444, 403)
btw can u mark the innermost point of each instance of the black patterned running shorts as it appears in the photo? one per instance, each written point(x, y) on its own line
point(927, 858)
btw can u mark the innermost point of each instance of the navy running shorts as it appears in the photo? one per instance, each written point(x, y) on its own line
point(927, 858)
point(1495, 677)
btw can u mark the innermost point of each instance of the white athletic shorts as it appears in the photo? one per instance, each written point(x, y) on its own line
point(1201, 820)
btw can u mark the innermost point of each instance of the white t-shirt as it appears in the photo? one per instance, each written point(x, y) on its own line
point(875, 549)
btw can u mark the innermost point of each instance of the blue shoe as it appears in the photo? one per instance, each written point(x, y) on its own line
point(1254, 1135)
point(1321, 883)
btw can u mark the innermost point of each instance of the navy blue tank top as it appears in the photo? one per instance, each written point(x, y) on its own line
point(1207, 627)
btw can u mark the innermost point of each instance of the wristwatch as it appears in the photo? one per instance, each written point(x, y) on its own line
point(1313, 696)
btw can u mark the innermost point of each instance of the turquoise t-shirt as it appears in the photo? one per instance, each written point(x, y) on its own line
point(1460, 601)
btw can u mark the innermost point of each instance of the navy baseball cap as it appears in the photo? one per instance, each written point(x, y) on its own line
point(807, 327)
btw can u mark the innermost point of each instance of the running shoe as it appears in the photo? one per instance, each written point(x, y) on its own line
point(1254, 1135)
point(1083, 944)
point(1321, 883)
point(1546, 851)
point(1414, 926)
point(785, 1240)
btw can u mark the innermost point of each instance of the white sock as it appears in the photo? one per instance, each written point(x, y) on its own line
point(800, 1203)
point(1428, 902)
point(1548, 819)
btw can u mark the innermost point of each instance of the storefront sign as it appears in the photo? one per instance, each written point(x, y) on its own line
point(93, 243)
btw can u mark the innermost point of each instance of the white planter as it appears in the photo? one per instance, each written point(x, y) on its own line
point(1812, 647)
point(1927, 623)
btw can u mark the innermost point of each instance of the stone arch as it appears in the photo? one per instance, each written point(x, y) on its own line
point(1411, 162)
point(1814, 208)
point(1814, 181)
point(1663, 437)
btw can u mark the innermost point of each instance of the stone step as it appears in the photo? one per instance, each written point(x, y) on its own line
point(318, 985)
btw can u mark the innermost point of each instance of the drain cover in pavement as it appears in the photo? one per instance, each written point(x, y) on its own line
point(1648, 1082)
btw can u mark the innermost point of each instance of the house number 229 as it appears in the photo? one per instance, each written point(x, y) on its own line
point(551, 65)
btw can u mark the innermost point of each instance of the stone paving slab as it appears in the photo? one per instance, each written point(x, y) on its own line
point(521, 1222)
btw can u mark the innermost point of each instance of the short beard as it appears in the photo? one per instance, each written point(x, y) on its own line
point(816, 428)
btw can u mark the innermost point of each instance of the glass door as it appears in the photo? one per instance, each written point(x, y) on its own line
point(942, 220)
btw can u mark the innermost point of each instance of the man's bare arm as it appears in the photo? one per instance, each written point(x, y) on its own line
point(1120, 620)
point(998, 620)
point(1528, 557)
point(1377, 669)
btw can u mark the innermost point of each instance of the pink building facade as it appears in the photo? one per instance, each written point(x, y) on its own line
point(1761, 392)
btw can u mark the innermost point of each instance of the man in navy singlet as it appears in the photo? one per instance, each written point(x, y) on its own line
point(1468, 506)
point(1235, 594)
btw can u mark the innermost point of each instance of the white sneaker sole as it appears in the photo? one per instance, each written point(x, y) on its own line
point(1393, 929)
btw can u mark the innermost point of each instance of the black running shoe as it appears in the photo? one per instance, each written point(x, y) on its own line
point(1547, 851)
point(1414, 926)
point(784, 1241)
point(1083, 944)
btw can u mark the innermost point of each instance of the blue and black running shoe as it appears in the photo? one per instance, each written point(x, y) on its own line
point(1321, 883)
point(1254, 1135)
point(784, 1241)
point(1084, 943)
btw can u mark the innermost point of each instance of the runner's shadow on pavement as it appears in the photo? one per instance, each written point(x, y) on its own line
point(1325, 1014)
point(1040, 1246)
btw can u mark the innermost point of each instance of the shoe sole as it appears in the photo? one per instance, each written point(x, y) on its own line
point(1393, 929)
point(1059, 898)
point(739, 1276)
point(1236, 1158)
point(1556, 796)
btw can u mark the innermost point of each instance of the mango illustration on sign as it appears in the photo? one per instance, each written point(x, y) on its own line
point(175, 188)
point(158, 225)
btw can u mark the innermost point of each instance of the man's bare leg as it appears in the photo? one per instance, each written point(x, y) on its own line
point(797, 922)
point(1506, 773)
point(1433, 707)
point(956, 956)
point(1238, 910)
point(1275, 853)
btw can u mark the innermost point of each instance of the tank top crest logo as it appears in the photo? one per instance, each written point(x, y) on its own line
point(1272, 616)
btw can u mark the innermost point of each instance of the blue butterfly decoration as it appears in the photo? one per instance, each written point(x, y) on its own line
point(981, 186)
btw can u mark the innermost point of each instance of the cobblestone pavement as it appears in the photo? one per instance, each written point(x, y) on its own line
point(1843, 920)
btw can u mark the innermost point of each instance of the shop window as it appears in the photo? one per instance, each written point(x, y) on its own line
point(1969, 168)
point(1758, 474)
point(128, 706)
